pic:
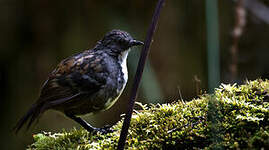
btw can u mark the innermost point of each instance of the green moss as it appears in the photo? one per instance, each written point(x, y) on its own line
point(234, 117)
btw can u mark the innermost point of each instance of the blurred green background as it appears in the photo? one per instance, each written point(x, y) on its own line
point(36, 35)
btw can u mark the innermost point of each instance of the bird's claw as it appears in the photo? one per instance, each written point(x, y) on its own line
point(104, 130)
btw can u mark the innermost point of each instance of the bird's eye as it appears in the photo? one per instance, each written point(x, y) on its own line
point(122, 41)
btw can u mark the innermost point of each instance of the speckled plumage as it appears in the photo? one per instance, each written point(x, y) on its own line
point(87, 82)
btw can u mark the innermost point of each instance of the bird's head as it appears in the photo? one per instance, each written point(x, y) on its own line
point(119, 41)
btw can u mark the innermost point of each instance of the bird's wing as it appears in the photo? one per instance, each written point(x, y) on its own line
point(76, 75)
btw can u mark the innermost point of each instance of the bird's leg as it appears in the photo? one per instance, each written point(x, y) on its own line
point(88, 127)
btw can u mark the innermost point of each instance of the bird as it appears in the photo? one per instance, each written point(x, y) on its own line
point(85, 83)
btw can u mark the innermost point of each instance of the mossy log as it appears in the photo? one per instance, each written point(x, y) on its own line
point(234, 117)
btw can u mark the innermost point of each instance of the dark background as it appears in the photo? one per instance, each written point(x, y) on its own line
point(36, 35)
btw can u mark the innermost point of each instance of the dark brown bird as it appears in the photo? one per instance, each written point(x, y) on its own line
point(85, 83)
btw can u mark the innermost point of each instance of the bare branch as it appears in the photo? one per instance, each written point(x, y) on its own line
point(138, 75)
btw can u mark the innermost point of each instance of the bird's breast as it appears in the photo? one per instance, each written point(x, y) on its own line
point(122, 79)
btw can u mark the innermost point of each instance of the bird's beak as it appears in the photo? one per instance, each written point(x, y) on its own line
point(136, 42)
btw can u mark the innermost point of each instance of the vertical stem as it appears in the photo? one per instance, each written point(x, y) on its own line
point(138, 75)
point(212, 44)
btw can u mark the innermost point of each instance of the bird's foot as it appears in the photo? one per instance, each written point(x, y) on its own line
point(104, 130)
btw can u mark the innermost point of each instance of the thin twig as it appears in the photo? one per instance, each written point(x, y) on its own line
point(197, 83)
point(138, 75)
point(240, 21)
point(257, 8)
point(179, 92)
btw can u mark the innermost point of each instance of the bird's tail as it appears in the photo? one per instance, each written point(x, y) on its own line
point(33, 113)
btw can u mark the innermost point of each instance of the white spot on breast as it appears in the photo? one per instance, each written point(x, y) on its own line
point(124, 65)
